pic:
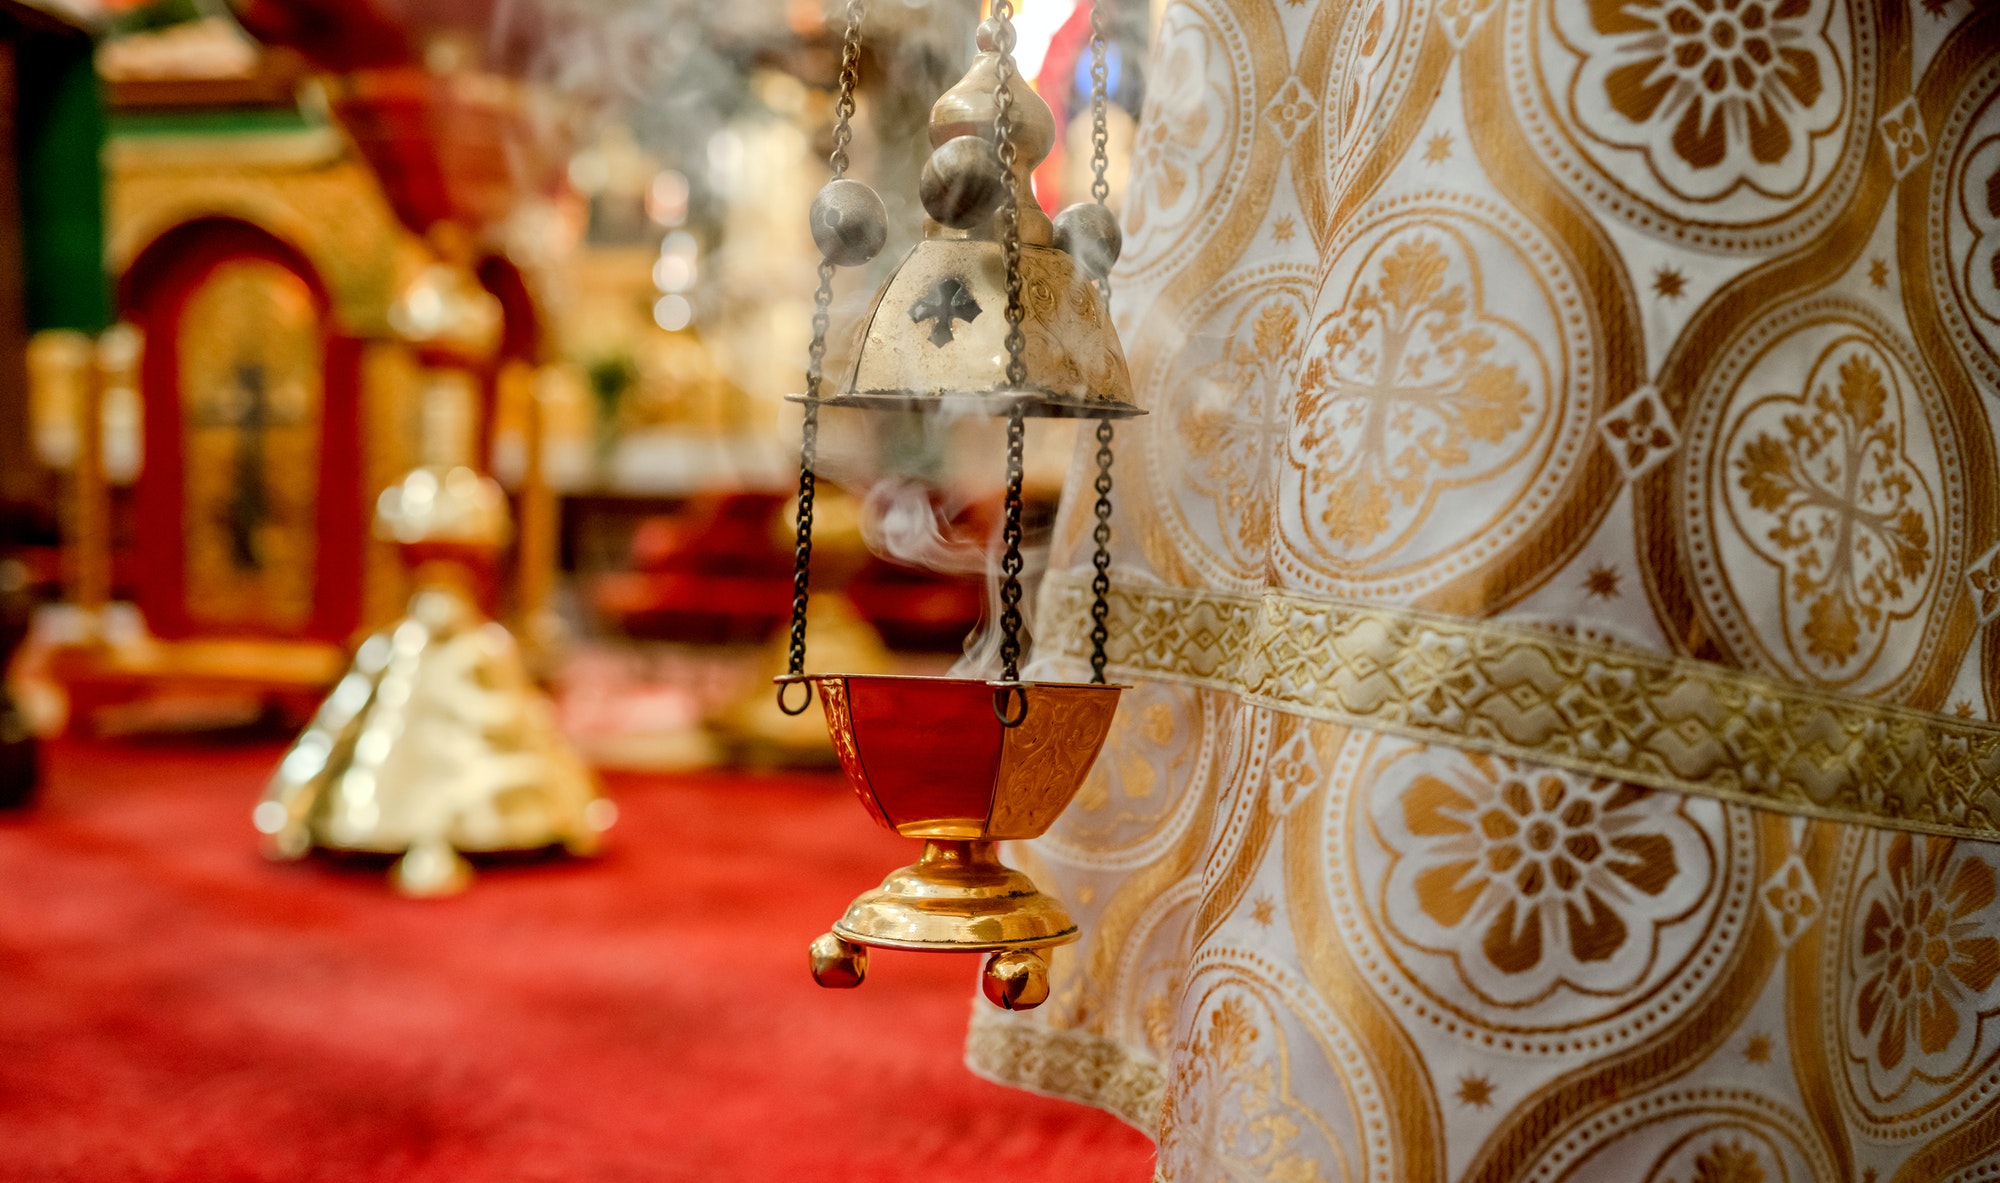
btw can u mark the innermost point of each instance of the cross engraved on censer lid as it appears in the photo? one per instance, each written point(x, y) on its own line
point(945, 302)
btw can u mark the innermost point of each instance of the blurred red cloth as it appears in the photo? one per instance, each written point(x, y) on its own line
point(174, 1008)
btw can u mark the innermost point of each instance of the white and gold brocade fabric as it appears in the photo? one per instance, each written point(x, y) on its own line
point(1559, 576)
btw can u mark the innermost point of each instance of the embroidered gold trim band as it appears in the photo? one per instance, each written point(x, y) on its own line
point(1617, 713)
point(1073, 1065)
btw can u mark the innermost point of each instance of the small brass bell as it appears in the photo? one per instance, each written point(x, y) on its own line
point(994, 312)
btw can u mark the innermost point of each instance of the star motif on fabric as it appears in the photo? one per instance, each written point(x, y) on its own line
point(1437, 149)
point(1475, 1090)
point(1962, 708)
point(1878, 272)
point(1758, 1049)
point(1936, 9)
point(1602, 583)
point(1283, 229)
point(947, 301)
point(1669, 282)
point(1262, 909)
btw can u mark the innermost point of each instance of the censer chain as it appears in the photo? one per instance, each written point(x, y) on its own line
point(837, 161)
point(1100, 558)
point(1017, 373)
point(1010, 572)
point(1100, 191)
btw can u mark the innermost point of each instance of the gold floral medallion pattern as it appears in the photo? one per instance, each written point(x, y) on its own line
point(1961, 231)
point(1715, 95)
point(1727, 124)
point(1227, 389)
point(1822, 488)
point(1529, 909)
point(1424, 398)
point(1558, 576)
point(1830, 488)
point(1926, 947)
point(1228, 1103)
point(1194, 138)
point(1536, 880)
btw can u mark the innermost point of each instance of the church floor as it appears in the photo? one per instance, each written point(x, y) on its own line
point(174, 1008)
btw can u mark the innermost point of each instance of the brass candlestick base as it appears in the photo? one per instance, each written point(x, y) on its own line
point(930, 759)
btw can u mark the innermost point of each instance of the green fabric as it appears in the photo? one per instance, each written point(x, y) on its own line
point(61, 125)
point(254, 121)
point(160, 14)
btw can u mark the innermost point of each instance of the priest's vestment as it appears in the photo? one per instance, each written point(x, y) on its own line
point(1558, 577)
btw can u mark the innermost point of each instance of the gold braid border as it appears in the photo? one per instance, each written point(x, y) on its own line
point(1621, 714)
point(1073, 1065)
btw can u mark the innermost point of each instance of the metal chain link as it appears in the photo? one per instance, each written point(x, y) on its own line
point(1010, 560)
point(1017, 368)
point(843, 136)
point(1100, 191)
point(1100, 558)
point(1100, 104)
point(1010, 211)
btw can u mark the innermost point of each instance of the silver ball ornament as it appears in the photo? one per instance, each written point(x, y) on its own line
point(1089, 233)
point(849, 223)
point(994, 36)
point(962, 182)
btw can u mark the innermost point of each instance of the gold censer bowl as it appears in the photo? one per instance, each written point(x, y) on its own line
point(930, 759)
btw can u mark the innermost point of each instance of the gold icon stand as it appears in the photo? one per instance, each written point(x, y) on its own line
point(436, 741)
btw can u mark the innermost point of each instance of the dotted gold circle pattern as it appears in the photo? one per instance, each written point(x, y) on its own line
point(1962, 224)
point(1820, 497)
point(1591, 1149)
point(1192, 152)
point(1445, 400)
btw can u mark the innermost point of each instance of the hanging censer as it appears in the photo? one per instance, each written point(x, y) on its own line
point(994, 312)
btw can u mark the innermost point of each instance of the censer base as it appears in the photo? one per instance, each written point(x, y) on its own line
point(957, 898)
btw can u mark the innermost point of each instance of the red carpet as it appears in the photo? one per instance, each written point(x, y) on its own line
point(174, 1008)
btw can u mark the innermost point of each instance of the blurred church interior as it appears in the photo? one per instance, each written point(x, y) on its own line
point(326, 324)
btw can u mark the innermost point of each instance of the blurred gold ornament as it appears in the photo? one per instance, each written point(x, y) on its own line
point(436, 741)
point(438, 505)
point(445, 308)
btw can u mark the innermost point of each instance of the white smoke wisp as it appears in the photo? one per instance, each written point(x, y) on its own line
point(929, 485)
point(982, 649)
point(908, 522)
